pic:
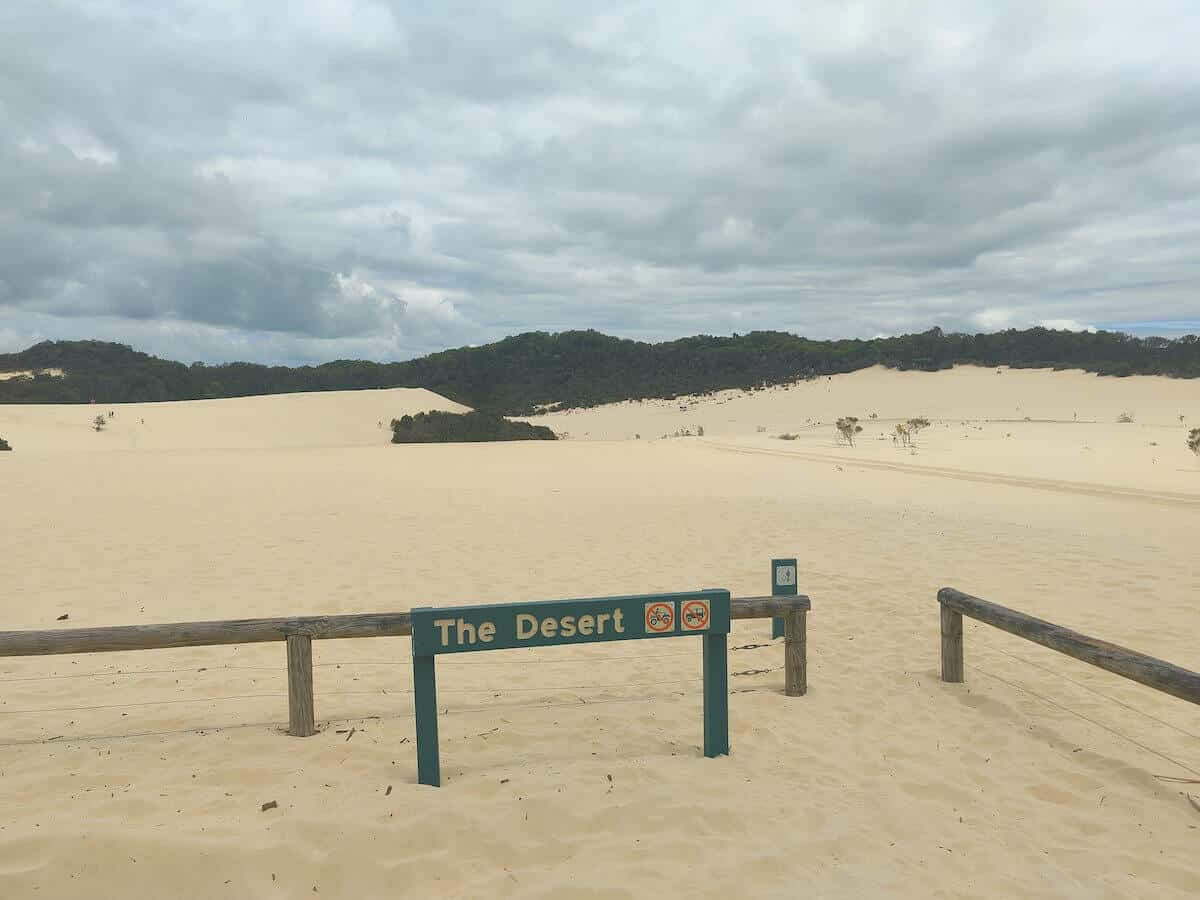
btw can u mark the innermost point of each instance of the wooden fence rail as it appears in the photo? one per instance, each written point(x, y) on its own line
point(300, 632)
point(1147, 670)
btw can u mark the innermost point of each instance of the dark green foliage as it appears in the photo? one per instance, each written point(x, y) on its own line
point(5, 445)
point(444, 428)
point(584, 368)
point(1193, 441)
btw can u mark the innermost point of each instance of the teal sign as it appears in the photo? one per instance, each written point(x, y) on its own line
point(783, 584)
point(466, 629)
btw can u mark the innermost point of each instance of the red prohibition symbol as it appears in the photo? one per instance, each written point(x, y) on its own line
point(660, 617)
point(695, 615)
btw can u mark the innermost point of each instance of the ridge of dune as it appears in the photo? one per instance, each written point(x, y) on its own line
point(1002, 424)
point(971, 393)
point(312, 419)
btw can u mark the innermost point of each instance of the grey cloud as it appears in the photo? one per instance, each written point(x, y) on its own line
point(377, 178)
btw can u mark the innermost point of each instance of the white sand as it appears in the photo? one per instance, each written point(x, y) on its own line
point(29, 373)
point(142, 774)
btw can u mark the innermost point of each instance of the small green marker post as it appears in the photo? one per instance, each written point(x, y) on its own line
point(783, 584)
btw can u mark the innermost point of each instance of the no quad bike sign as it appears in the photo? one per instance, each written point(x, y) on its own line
point(660, 617)
point(464, 629)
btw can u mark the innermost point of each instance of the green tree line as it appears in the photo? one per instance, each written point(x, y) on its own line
point(517, 375)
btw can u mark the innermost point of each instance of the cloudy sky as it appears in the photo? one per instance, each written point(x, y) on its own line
point(219, 179)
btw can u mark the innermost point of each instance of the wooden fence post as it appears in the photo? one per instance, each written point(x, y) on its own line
point(795, 653)
point(952, 645)
point(301, 721)
point(1148, 670)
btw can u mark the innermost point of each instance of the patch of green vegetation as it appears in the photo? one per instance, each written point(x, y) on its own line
point(444, 428)
point(5, 445)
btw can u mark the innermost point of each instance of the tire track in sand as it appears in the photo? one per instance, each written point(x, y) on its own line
point(1163, 498)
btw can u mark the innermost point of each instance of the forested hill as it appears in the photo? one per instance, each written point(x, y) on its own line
point(581, 368)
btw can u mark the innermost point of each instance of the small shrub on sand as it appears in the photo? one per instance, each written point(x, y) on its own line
point(907, 431)
point(1125, 418)
point(700, 431)
point(99, 422)
point(848, 427)
point(5, 445)
point(787, 436)
point(1193, 441)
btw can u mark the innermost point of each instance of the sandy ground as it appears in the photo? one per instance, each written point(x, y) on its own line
point(578, 772)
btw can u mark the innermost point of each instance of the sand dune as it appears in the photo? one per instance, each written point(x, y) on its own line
point(1059, 426)
point(319, 420)
point(966, 393)
point(578, 772)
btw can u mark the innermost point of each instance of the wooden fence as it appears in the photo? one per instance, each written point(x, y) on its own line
point(299, 633)
point(1147, 670)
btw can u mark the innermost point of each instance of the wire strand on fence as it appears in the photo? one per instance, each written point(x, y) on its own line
point(1086, 687)
point(406, 661)
point(545, 689)
point(329, 722)
point(1088, 719)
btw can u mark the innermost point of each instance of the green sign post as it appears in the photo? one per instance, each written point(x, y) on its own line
point(465, 629)
point(783, 584)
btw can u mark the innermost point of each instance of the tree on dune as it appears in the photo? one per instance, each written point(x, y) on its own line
point(1193, 441)
point(5, 445)
point(848, 427)
point(99, 422)
point(915, 426)
point(907, 431)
